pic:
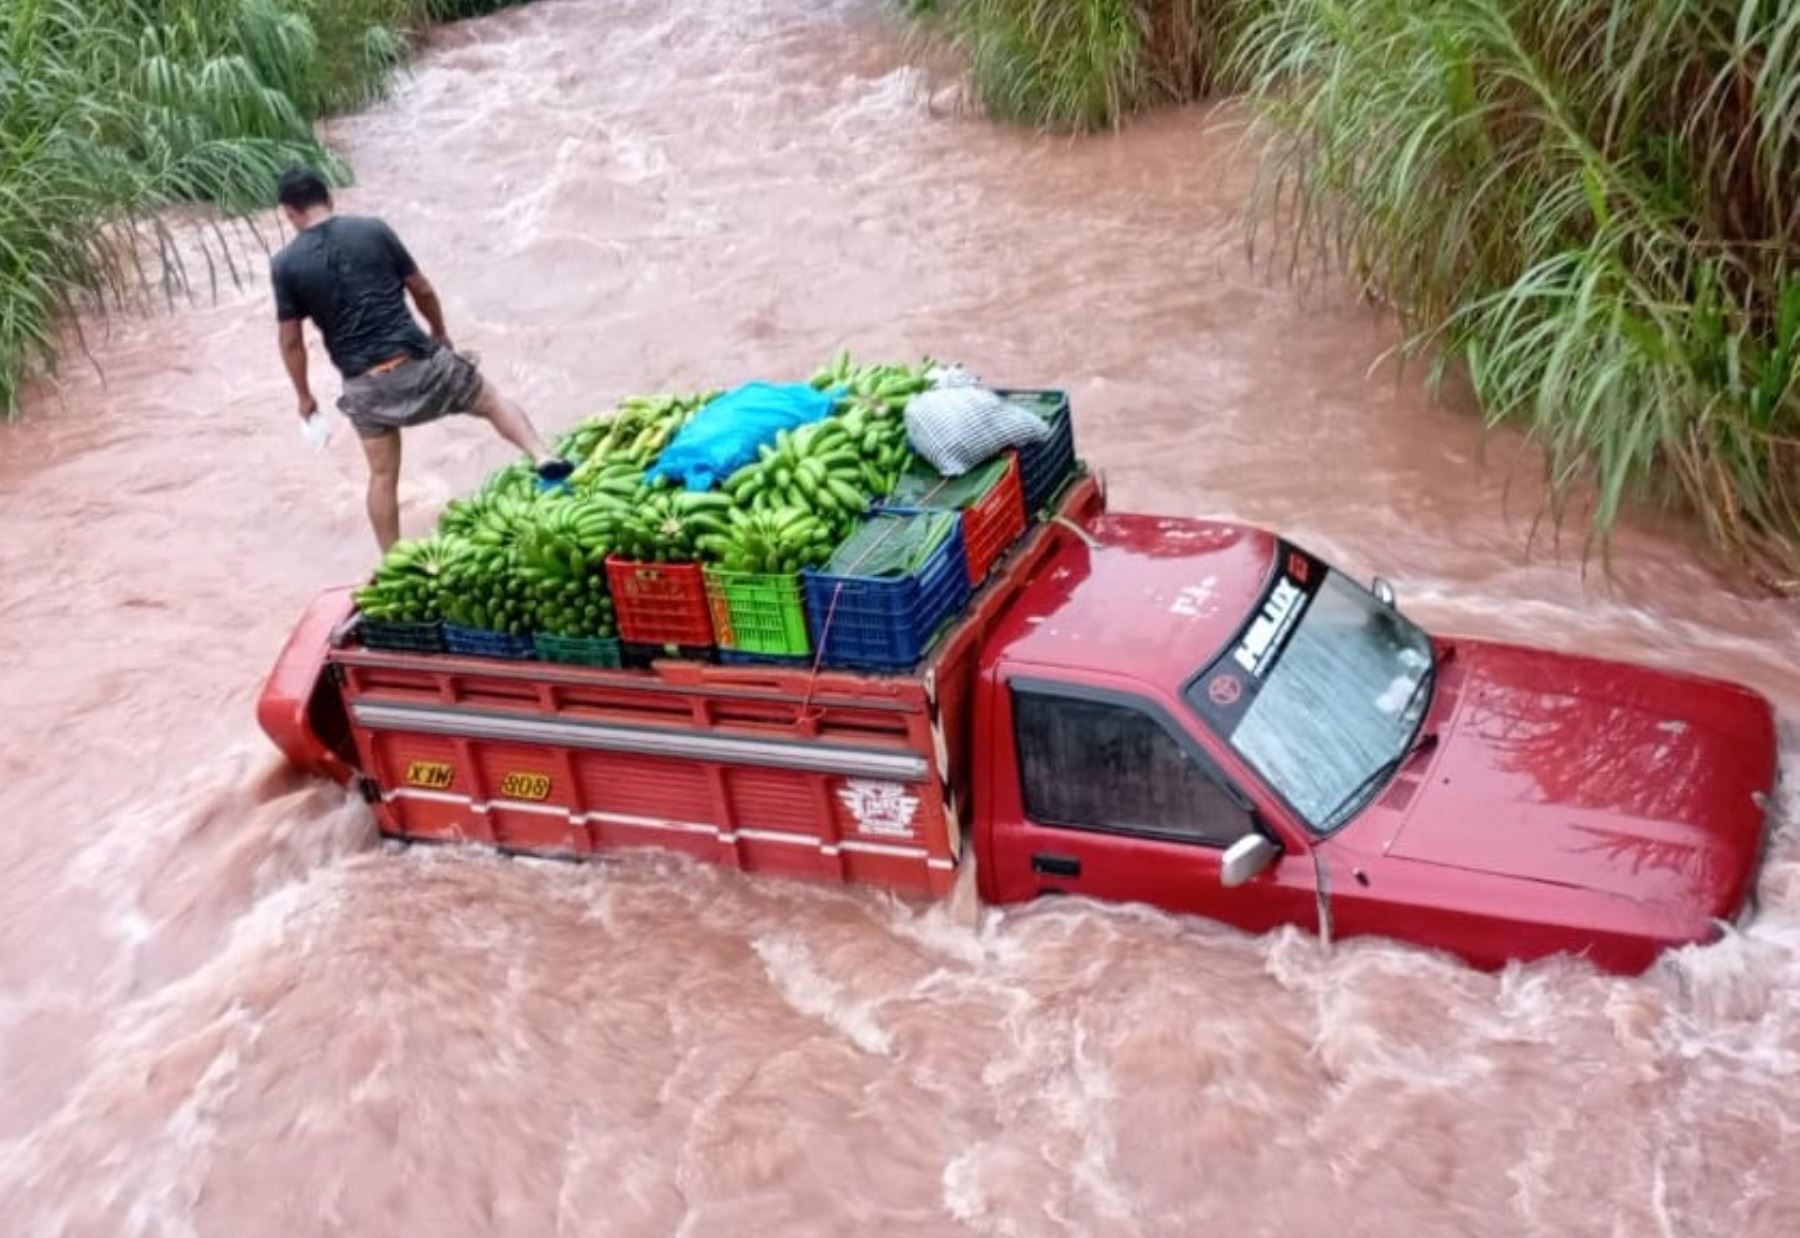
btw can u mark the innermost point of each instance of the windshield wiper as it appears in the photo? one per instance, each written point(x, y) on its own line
point(1378, 777)
point(1427, 677)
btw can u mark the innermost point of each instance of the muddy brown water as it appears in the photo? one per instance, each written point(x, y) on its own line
point(226, 1010)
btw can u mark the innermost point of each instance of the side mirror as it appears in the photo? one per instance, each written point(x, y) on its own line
point(1383, 591)
point(1247, 858)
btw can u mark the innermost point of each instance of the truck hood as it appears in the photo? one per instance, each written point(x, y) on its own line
point(1593, 775)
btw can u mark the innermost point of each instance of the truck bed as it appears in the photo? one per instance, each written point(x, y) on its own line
point(830, 775)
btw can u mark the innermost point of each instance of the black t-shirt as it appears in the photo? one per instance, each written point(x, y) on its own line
point(348, 274)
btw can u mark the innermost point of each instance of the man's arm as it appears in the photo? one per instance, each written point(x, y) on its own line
point(426, 298)
point(293, 355)
point(289, 316)
point(423, 294)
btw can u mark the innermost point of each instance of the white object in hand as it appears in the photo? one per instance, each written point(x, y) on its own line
point(316, 430)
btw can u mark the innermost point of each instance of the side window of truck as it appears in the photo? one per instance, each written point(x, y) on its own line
point(1100, 765)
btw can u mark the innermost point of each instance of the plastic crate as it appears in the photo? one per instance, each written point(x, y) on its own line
point(732, 657)
point(888, 623)
point(481, 643)
point(759, 613)
point(578, 650)
point(402, 637)
point(660, 604)
point(1044, 467)
point(641, 657)
point(992, 525)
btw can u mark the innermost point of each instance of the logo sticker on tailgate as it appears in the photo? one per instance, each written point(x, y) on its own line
point(525, 786)
point(881, 808)
point(434, 774)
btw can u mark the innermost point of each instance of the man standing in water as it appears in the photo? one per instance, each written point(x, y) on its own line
point(351, 275)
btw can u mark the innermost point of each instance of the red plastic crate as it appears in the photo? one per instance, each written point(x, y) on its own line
point(660, 603)
point(993, 524)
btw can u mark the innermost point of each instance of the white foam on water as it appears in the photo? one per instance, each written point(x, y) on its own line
point(791, 968)
point(968, 1203)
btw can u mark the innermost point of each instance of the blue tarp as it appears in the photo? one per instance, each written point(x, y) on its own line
point(724, 436)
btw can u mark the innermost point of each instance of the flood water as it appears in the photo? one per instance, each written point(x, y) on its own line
point(226, 1010)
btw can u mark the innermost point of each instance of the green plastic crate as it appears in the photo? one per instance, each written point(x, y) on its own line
point(759, 613)
point(577, 650)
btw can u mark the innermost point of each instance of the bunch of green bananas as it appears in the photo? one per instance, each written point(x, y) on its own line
point(483, 587)
point(782, 539)
point(561, 558)
point(638, 431)
point(481, 583)
point(578, 444)
point(513, 488)
point(406, 586)
point(880, 390)
point(617, 482)
point(499, 520)
point(822, 468)
point(881, 446)
point(665, 525)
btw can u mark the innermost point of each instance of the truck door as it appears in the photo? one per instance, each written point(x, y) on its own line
point(1102, 793)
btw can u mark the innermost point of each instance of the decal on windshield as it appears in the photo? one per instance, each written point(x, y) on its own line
point(1227, 688)
point(1268, 632)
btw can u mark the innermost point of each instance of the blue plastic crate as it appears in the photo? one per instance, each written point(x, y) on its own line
point(401, 637)
point(1046, 465)
point(736, 657)
point(888, 623)
point(481, 643)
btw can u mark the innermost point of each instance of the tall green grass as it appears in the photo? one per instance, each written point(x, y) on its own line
point(1593, 204)
point(112, 111)
point(1081, 64)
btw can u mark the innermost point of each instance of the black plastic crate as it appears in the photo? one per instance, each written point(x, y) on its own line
point(481, 643)
point(888, 623)
point(401, 637)
point(638, 655)
point(1045, 466)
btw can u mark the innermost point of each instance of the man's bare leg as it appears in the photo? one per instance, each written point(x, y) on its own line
point(384, 487)
point(511, 422)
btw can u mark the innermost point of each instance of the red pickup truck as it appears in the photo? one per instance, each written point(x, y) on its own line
point(1195, 715)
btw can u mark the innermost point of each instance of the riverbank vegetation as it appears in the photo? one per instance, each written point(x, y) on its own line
point(113, 110)
point(1591, 206)
point(1081, 64)
point(1594, 208)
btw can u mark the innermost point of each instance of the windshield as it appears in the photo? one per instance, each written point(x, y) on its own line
point(1323, 693)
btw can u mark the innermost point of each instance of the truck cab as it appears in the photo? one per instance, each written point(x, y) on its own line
point(1207, 718)
point(1100, 781)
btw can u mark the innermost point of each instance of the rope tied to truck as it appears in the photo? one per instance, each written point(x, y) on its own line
point(893, 542)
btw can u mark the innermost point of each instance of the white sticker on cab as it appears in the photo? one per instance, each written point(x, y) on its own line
point(1195, 601)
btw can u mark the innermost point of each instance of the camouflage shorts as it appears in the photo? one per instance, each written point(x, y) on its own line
point(411, 394)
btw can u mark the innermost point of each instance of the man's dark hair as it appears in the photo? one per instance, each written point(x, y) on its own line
point(302, 189)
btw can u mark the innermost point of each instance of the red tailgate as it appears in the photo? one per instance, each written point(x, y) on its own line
point(834, 777)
